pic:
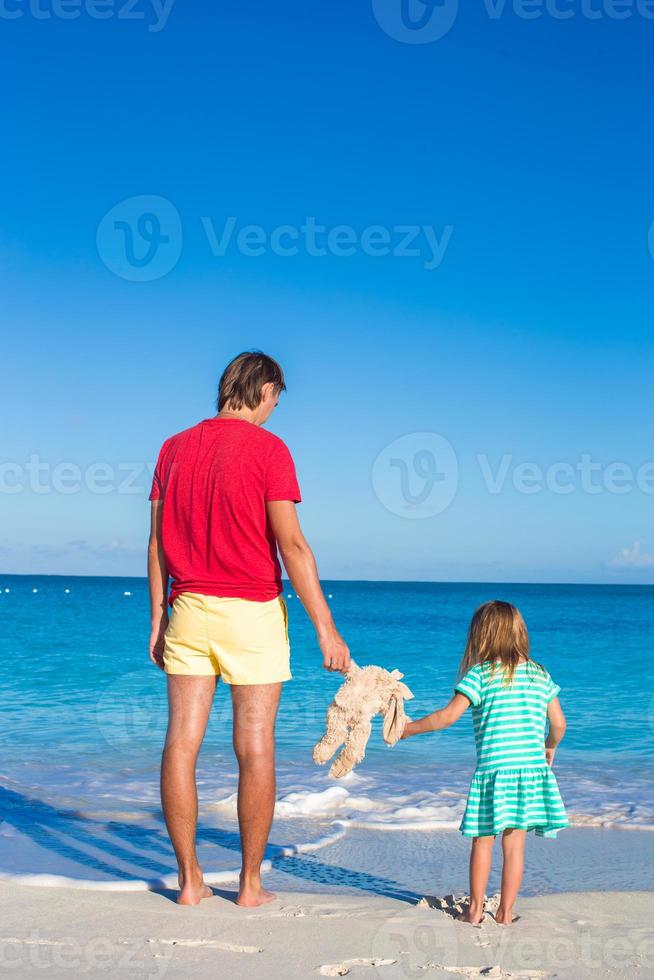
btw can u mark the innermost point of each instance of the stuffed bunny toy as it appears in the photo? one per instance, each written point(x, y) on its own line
point(366, 692)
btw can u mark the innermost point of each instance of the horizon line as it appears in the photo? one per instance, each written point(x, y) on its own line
point(360, 581)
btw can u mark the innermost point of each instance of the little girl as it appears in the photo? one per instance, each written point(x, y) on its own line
point(513, 789)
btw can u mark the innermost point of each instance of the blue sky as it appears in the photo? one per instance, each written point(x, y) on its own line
point(523, 148)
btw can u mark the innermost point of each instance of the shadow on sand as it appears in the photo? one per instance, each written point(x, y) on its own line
point(113, 847)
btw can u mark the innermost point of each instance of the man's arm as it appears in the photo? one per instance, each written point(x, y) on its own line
point(158, 580)
point(438, 720)
point(301, 568)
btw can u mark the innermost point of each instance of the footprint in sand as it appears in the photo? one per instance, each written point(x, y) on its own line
point(342, 969)
point(208, 944)
point(454, 905)
point(493, 972)
point(299, 911)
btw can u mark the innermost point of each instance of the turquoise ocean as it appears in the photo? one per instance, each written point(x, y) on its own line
point(84, 716)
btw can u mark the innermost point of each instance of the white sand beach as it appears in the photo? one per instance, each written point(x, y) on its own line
point(70, 933)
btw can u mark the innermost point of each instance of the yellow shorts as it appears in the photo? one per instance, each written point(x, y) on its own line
point(242, 641)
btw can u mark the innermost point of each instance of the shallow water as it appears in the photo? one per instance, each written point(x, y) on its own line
point(84, 717)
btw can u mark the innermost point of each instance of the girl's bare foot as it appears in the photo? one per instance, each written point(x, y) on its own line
point(472, 914)
point(192, 892)
point(505, 917)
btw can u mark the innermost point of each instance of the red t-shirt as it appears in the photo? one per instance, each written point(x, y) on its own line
point(215, 479)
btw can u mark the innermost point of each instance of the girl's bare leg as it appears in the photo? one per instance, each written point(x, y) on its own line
point(513, 849)
point(480, 864)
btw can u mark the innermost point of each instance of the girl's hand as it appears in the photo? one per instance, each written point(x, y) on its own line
point(549, 756)
point(407, 729)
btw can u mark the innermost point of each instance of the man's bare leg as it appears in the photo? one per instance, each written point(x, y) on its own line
point(189, 704)
point(255, 711)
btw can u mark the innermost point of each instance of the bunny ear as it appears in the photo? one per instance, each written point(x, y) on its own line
point(394, 721)
point(398, 675)
point(405, 692)
point(390, 721)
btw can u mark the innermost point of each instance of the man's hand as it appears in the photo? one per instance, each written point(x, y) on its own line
point(157, 637)
point(549, 756)
point(335, 653)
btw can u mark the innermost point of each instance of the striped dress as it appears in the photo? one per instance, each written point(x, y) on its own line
point(512, 786)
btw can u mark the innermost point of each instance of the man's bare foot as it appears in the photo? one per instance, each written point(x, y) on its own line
point(192, 892)
point(250, 895)
point(472, 915)
point(505, 917)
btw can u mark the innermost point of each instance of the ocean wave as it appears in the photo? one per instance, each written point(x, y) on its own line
point(103, 829)
point(368, 802)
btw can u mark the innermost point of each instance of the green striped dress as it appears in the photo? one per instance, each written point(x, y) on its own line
point(512, 786)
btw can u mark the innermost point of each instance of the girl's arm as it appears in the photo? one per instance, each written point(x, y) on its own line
point(438, 720)
point(557, 722)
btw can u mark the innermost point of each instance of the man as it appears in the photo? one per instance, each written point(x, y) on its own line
point(223, 502)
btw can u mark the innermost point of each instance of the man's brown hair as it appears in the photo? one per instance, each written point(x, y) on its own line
point(244, 378)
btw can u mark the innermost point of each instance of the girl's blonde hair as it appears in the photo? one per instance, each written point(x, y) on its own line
point(497, 636)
